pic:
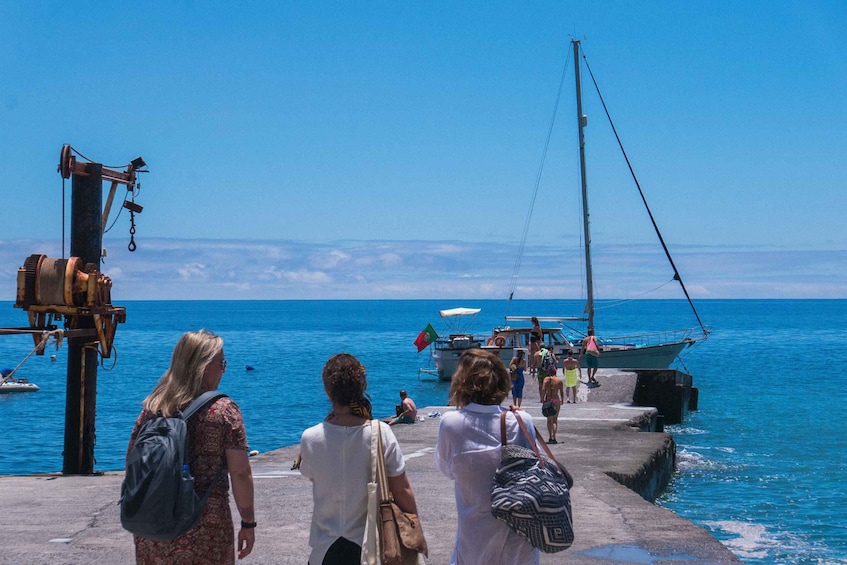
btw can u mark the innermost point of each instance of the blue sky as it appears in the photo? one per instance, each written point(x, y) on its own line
point(390, 150)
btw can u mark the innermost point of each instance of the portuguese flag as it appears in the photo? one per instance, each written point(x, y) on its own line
point(426, 337)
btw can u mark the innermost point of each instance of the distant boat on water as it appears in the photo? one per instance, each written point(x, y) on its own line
point(8, 383)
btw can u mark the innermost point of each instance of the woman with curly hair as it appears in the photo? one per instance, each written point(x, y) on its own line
point(468, 451)
point(336, 456)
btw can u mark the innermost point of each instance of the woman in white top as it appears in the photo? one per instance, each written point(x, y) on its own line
point(336, 456)
point(468, 451)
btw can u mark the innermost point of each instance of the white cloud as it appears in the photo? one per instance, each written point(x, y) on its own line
point(192, 272)
point(213, 269)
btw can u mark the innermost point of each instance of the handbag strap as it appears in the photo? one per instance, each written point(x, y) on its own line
point(529, 440)
point(378, 462)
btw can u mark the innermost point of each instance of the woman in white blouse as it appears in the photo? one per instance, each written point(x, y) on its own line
point(336, 456)
point(468, 451)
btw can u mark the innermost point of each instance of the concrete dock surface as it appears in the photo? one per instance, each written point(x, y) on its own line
point(54, 519)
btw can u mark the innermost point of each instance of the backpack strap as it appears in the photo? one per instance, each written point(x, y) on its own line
point(201, 401)
point(192, 409)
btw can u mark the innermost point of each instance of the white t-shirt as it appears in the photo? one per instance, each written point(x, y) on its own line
point(338, 461)
point(468, 451)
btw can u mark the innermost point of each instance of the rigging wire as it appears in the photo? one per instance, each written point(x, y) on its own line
point(616, 303)
point(514, 281)
point(676, 275)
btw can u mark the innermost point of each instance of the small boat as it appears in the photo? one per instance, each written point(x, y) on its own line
point(504, 341)
point(17, 385)
point(8, 383)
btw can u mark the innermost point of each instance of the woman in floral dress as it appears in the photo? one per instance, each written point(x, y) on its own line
point(216, 438)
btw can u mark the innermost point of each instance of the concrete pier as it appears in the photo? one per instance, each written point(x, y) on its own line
point(617, 470)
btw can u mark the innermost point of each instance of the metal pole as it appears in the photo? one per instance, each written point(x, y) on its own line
point(581, 122)
point(81, 399)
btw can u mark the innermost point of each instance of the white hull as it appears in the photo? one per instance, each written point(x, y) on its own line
point(17, 387)
point(612, 357)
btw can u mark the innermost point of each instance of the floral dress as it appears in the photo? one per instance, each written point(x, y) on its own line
point(212, 541)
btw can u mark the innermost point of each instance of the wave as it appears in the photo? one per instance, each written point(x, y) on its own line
point(747, 541)
point(690, 461)
point(755, 542)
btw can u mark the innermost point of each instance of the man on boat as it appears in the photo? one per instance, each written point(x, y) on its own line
point(408, 411)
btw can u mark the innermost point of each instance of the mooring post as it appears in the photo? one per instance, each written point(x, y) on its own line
point(81, 399)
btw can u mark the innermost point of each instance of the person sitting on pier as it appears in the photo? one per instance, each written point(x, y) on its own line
point(408, 411)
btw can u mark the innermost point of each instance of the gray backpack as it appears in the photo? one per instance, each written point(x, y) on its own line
point(158, 501)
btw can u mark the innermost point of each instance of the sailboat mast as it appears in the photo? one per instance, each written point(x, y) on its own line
point(582, 121)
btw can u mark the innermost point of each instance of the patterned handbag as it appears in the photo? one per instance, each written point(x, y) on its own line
point(531, 493)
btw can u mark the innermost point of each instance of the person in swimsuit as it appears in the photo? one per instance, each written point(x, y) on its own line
point(573, 374)
point(519, 363)
point(553, 389)
point(590, 360)
point(536, 335)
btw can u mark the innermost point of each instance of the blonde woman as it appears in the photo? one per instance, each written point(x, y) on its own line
point(216, 436)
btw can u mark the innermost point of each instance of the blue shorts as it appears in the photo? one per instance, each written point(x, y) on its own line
point(591, 361)
point(404, 420)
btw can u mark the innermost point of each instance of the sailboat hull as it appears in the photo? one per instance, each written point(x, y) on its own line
point(613, 356)
point(650, 357)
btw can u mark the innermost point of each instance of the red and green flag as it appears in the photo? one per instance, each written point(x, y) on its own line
point(426, 337)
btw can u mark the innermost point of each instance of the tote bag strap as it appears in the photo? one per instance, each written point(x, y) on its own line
point(374, 450)
point(529, 440)
point(381, 475)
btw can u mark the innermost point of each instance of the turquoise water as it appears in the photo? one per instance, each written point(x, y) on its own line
point(761, 464)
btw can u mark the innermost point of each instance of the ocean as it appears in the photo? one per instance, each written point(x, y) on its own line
point(762, 464)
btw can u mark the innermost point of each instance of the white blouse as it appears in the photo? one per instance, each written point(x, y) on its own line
point(338, 461)
point(468, 451)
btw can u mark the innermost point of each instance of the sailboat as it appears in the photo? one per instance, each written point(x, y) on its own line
point(645, 351)
point(656, 350)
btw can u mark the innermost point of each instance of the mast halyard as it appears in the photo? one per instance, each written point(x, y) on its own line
point(582, 122)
